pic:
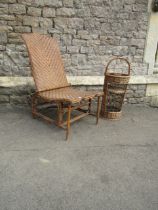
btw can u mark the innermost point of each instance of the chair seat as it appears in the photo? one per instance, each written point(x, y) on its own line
point(68, 94)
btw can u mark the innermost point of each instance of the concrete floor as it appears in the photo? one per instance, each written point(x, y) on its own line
point(112, 166)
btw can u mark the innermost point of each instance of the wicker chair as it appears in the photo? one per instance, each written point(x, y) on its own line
point(51, 82)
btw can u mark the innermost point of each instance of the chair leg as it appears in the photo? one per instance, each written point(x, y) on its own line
point(98, 110)
point(68, 121)
point(89, 105)
point(60, 113)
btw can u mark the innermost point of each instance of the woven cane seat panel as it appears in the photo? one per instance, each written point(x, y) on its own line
point(46, 62)
point(68, 94)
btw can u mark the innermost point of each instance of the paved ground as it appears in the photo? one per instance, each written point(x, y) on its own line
point(113, 166)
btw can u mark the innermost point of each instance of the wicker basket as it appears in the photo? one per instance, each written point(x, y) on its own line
point(115, 86)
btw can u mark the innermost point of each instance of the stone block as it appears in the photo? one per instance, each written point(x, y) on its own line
point(2, 47)
point(7, 17)
point(3, 37)
point(46, 22)
point(6, 28)
point(54, 31)
point(140, 8)
point(31, 21)
point(141, 87)
point(3, 22)
point(33, 11)
point(105, 27)
point(93, 59)
point(98, 12)
point(87, 50)
point(63, 49)
point(61, 23)
point(92, 43)
point(85, 12)
point(139, 43)
point(10, 47)
point(13, 35)
point(66, 39)
point(41, 3)
point(77, 4)
point(22, 29)
point(21, 47)
point(39, 30)
point(72, 49)
point(92, 24)
point(71, 23)
point(78, 59)
point(78, 42)
point(76, 23)
point(138, 59)
point(130, 2)
point(67, 62)
point(14, 58)
point(7, 1)
point(4, 99)
point(98, 3)
point(139, 34)
point(70, 31)
point(132, 101)
point(16, 99)
point(15, 40)
point(48, 12)
point(123, 16)
point(17, 9)
point(128, 8)
point(67, 12)
point(53, 3)
point(31, 2)
point(5, 70)
point(14, 23)
point(3, 9)
point(68, 3)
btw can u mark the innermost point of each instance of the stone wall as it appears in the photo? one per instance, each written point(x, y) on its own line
point(89, 33)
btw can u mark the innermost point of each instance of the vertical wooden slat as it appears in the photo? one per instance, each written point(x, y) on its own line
point(60, 113)
point(68, 121)
point(89, 105)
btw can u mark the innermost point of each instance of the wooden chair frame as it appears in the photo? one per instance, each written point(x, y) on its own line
point(49, 76)
point(61, 109)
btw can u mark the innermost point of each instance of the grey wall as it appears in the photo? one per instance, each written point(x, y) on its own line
point(89, 32)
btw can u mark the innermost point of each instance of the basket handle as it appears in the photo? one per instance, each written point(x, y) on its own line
point(118, 58)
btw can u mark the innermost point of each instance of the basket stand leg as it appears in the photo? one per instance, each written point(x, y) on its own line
point(98, 110)
point(104, 98)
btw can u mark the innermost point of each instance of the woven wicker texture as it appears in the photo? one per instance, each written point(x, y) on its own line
point(68, 94)
point(46, 61)
point(48, 70)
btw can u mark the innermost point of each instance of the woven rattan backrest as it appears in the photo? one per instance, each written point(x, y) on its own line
point(46, 62)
